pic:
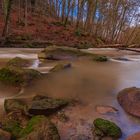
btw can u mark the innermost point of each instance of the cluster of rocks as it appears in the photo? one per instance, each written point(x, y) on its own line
point(29, 119)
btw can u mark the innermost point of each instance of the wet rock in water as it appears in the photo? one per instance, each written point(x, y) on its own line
point(67, 53)
point(42, 105)
point(13, 105)
point(122, 59)
point(129, 99)
point(17, 76)
point(60, 53)
point(18, 62)
point(103, 129)
point(4, 135)
point(60, 67)
point(100, 58)
point(135, 136)
point(39, 128)
point(103, 109)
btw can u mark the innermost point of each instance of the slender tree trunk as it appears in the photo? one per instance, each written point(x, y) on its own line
point(8, 6)
point(26, 13)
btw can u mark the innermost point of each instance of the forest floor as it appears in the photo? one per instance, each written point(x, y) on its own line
point(49, 31)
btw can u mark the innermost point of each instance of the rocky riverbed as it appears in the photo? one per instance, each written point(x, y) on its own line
point(75, 91)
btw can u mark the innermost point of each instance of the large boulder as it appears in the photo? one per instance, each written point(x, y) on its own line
point(129, 99)
point(67, 53)
point(4, 135)
point(17, 76)
point(59, 53)
point(60, 67)
point(39, 128)
point(103, 129)
point(135, 136)
point(42, 105)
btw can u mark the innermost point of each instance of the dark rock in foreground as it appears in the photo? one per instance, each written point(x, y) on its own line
point(103, 129)
point(39, 128)
point(129, 99)
point(42, 105)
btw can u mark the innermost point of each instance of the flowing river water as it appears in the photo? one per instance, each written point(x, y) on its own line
point(90, 82)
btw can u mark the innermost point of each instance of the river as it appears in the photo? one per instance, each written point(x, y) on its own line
point(93, 83)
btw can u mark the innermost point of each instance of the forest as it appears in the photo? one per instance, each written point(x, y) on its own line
point(111, 21)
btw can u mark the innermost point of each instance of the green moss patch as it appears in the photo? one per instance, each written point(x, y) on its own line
point(17, 76)
point(40, 126)
point(108, 128)
point(13, 127)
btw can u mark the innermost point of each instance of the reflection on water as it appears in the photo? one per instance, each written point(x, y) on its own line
point(93, 84)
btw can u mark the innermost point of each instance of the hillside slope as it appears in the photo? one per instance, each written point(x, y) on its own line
point(48, 31)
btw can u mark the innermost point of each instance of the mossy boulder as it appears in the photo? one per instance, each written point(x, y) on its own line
point(17, 76)
point(42, 105)
point(129, 99)
point(60, 53)
point(60, 67)
point(106, 128)
point(13, 105)
point(12, 127)
point(99, 58)
point(39, 128)
point(18, 62)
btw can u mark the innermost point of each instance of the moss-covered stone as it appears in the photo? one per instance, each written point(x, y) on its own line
point(106, 128)
point(60, 67)
point(18, 62)
point(39, 128)
point(17, 76)
point(59, 53)
point(100, 58)
point(66, 53)
point(9, 76)
point(42, 105)
point(13, 104)
point(13, 127)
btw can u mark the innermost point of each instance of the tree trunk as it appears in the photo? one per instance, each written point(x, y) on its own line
point(8, 5)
